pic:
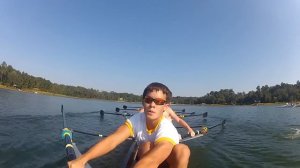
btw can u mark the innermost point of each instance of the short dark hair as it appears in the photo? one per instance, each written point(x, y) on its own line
point(158, 86)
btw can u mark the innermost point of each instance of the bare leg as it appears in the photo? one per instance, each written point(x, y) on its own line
point(179, 157)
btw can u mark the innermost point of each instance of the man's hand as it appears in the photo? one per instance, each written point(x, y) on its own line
point(191, 132)
point(78, 163)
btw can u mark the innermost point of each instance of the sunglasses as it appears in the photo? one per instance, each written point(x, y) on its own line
point(157, 101)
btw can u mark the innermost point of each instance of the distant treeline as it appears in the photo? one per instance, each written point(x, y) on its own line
point(265, 94)
point(21, 80)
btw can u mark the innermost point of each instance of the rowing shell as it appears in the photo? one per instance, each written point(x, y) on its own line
point(131, 157)
point(71, 148)
point(77, 153)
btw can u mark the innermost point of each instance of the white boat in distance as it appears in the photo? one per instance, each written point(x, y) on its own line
point(289, 105)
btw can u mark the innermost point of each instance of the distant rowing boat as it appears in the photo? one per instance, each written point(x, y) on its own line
point(289, 105)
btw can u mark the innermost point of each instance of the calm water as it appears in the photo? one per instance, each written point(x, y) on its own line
point(30, 126)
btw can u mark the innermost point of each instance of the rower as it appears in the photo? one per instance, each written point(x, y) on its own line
point(157, 137)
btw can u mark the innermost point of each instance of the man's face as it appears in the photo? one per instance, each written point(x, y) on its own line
point(154, 104)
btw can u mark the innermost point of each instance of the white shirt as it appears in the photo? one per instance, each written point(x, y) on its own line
point(164, 131)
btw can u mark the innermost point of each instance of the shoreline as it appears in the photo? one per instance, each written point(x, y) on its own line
point(37, 91)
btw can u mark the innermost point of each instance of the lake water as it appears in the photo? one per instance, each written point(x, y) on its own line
point(254, 136)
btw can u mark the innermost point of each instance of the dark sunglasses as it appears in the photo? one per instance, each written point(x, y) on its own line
point(157, 101)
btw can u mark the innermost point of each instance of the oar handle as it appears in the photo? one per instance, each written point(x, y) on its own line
point(204, 130)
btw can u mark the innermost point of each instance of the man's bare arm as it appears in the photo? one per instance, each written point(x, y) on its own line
point(180, 121)
point(102, 147)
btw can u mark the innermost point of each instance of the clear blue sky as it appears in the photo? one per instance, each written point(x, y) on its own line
point(193, 47)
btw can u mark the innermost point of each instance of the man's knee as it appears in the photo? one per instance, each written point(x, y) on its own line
point(182, 150)
point(186, 150)
point(179, 157)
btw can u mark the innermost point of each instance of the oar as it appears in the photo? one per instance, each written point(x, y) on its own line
point(122, 114)
point(118, 109)
point(184, 113)
point(201, 132)
point(222, 123)
point(193, 115)
point(132, 107)
point(88, 133)
point(194, 126)
point(95, 134)
point(180, 111)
